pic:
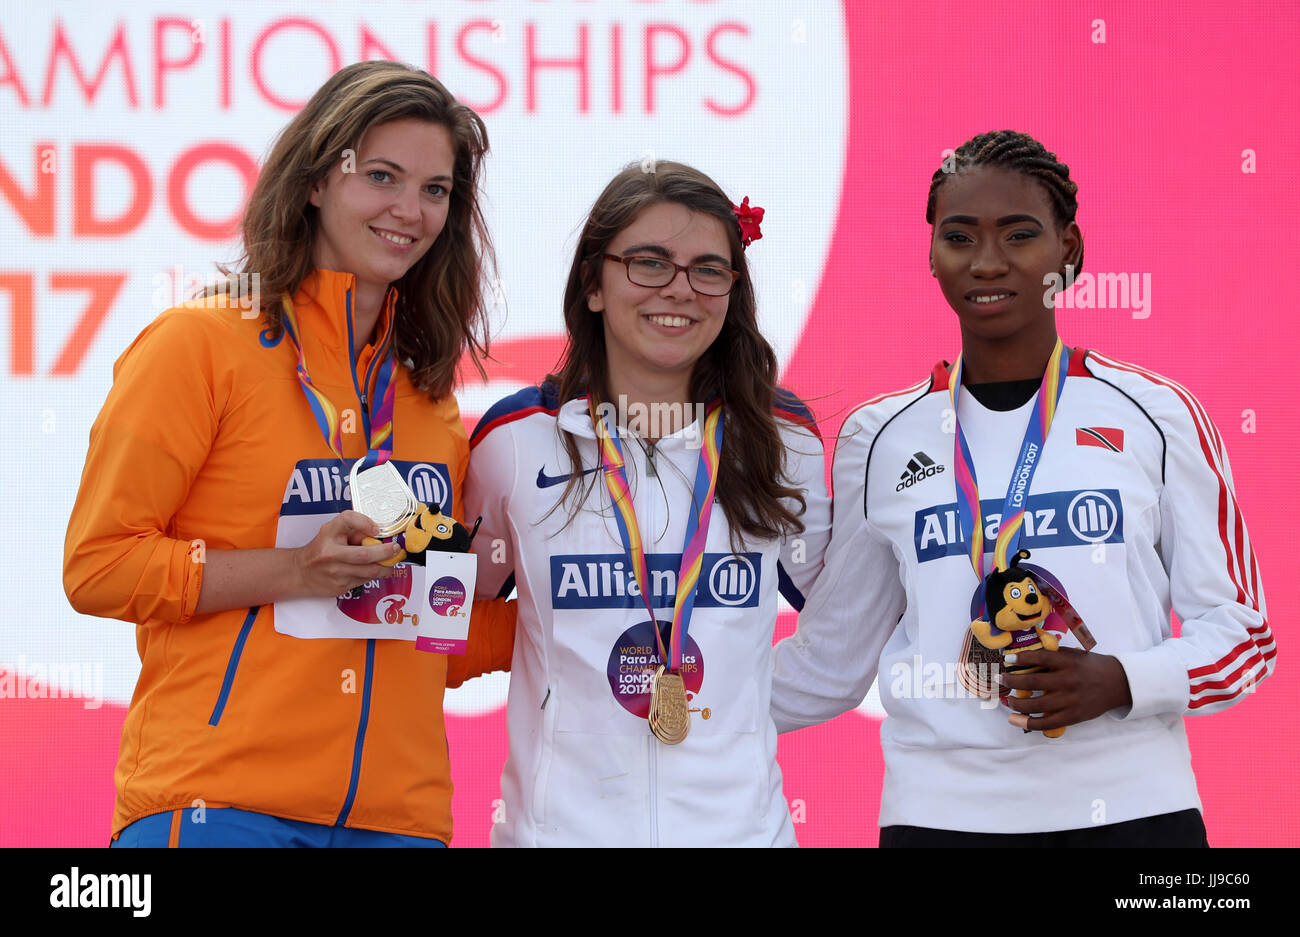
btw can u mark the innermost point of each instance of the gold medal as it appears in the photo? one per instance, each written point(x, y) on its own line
point(669, 716)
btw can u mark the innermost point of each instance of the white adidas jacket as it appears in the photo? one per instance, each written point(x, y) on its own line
point(1132, 508)
point(583, 767)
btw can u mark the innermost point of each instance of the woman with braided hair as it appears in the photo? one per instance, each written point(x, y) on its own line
point(1118, 509)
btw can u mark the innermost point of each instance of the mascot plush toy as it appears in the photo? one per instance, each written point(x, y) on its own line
point(429, 531)
point(1017, 609)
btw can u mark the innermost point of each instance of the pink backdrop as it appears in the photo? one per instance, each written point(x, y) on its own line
point(1154, 122)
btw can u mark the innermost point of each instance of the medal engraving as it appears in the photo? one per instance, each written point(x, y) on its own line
point(978, 667)
point(381, 494)
point(670, 718)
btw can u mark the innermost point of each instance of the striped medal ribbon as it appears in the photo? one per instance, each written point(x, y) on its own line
point(1031, 451)
point(669, 715)
point(378, 489)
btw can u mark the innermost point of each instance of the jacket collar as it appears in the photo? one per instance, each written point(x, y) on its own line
point(324, 305)
point(575, 417)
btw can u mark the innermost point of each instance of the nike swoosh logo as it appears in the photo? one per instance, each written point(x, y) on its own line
point(546, 481)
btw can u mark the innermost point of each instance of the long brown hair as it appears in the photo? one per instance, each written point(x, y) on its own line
point(441, 306)
point(739, 367)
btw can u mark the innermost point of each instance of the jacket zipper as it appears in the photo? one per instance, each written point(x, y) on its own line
point(654, 790)
point(543, 779)
point(233, 665)
point(364, 719)
point(647, 502)
point(361, 736)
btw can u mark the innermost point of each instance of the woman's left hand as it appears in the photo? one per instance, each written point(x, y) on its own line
point(1076, 686)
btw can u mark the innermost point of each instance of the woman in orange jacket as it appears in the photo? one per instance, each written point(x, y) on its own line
point(227, 439)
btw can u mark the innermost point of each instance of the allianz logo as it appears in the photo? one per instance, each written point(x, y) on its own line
point(1051, 519)
point(726, 579)
point(426, 484)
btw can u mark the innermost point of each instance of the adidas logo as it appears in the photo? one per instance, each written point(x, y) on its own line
point(919, 468)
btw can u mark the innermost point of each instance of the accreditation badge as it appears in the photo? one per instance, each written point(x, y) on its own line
point(414, 602)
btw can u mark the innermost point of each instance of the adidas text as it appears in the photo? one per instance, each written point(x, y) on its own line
point(927, 472)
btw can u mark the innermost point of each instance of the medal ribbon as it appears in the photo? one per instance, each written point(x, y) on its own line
point(697, 523)
point(1031, 451)
point(378, 426)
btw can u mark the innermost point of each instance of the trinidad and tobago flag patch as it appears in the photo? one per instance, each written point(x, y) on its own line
point(1103, 437)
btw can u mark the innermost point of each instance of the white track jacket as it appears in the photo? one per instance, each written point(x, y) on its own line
point(583, 767)
point(1132, 508)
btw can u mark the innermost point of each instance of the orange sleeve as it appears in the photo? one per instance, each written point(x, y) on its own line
point(146, 447)
point(491, 641)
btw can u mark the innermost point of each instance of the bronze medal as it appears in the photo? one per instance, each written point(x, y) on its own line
point(978, 667)
point(670, 718)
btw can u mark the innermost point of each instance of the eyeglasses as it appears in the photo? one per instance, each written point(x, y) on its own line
point(706, 279)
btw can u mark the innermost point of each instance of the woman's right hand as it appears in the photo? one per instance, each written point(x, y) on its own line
point(336, 561)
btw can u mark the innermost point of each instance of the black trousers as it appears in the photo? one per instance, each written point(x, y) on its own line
point(1182, 830)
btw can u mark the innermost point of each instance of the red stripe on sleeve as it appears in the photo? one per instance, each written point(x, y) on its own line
point(1260, 636)
point(1251, 661)
point(1223, 697)
point(1257, 638)
point(503, 420)
point(893, 393)
point(1224, 493)
point(799, 420)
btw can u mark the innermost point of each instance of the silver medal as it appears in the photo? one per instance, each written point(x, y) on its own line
point(382, 495)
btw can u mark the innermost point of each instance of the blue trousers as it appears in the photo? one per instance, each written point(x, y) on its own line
point(216, 827)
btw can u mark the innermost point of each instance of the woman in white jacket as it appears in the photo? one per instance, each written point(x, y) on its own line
point(662, 436)
point(1116, 483)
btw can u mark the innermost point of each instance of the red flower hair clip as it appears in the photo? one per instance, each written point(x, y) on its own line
point(749, 217)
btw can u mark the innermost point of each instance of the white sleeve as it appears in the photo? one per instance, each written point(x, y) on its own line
point(488, 487)
point(826, 667)
point(802, 554)
point(1225, 648)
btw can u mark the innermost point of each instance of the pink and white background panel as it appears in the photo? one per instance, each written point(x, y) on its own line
point(131, 137)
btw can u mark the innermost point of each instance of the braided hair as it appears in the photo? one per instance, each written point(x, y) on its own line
point(1017, 152)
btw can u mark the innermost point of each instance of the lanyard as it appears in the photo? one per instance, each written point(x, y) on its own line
point(697, 523)
point(378, 426)
point(1031, 451)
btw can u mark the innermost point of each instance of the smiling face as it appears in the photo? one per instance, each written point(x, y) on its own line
point(1024, 607)
point(657, 332)
point(377, 221)
point(994, 241)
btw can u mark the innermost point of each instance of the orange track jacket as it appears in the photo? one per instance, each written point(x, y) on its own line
point(204, 425)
